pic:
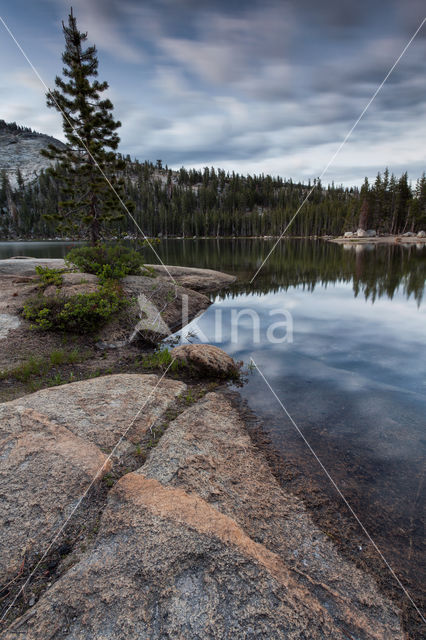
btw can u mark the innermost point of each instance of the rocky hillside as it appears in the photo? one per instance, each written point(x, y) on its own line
point(20, 149)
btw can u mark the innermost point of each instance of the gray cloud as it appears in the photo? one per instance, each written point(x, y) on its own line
point(269, 85)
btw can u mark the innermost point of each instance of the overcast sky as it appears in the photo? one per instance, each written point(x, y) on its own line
point(252, 86)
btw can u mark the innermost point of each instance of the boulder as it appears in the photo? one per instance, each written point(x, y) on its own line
point(371, 233)
point(206, 359)
point(361, 233)
point(163, 307)
point(151, 328)
point(421, 234)
point(202, 542)
point(348, 234)
point(409, 234)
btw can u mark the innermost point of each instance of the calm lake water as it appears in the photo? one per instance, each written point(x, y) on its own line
point(353, 377)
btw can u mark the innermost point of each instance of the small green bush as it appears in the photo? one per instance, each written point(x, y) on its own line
point(81, 313)
point(50, 276)
point(160, 359)
point(106, 261)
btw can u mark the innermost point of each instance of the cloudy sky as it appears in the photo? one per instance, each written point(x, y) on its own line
point(257, 86)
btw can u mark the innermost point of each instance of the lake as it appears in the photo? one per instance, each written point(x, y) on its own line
point(340, 334)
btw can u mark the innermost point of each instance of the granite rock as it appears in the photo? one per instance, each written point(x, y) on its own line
point(202, 543)
point(206, 360)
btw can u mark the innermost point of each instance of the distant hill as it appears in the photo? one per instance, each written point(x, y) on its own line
point(20, 149)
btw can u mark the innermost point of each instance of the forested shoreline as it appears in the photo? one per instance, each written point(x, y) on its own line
point(212, 202)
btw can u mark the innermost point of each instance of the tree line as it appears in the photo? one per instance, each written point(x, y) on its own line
point(212, 202)
point(12, 127)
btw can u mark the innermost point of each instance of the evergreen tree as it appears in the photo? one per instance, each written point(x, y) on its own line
point(89, 206)
point(363, 216)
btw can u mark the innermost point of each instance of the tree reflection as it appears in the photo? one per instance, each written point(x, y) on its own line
point(375, 270)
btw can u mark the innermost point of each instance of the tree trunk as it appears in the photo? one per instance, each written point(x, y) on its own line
point(363, 216)
point(94, 225)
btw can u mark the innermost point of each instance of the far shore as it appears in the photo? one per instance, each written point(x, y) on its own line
point(385, 239)
point(380, 240)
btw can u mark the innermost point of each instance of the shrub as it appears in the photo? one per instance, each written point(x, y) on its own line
point(106, 261)
point(81, 313)
point(50, 276)
point(160, 359)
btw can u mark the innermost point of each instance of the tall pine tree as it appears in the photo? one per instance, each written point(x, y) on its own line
point(89, 207)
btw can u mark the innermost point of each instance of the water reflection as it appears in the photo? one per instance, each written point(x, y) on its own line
point(374, 271)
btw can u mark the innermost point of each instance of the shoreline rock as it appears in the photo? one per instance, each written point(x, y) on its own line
point(206, 360)
point(54, 442)
point(158, 307)
point(205, 280)
point(202, 542)
point(354, 239)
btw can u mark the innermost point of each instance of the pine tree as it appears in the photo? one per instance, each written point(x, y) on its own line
point(364, 212)
point(89, 206)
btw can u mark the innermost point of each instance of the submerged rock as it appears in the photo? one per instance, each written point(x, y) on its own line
point(206, 359)
point(202, 542)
